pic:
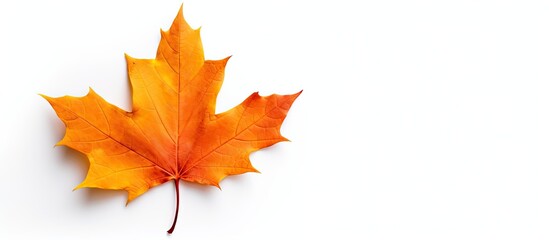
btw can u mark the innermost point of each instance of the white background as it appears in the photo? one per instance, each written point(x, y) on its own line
point(418, 120)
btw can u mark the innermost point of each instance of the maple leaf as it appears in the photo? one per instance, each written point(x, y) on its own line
point(172, 132)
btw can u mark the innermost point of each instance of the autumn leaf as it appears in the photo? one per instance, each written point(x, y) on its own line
point(172, 132)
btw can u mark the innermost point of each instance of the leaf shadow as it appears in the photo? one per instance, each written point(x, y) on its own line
point(98, 196)
point(201, 189)
point(238, 180)
point(205, 192)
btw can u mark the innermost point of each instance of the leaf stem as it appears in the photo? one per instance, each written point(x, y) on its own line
point(176, 181)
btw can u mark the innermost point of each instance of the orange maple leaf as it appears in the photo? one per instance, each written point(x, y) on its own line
point(172, 132)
